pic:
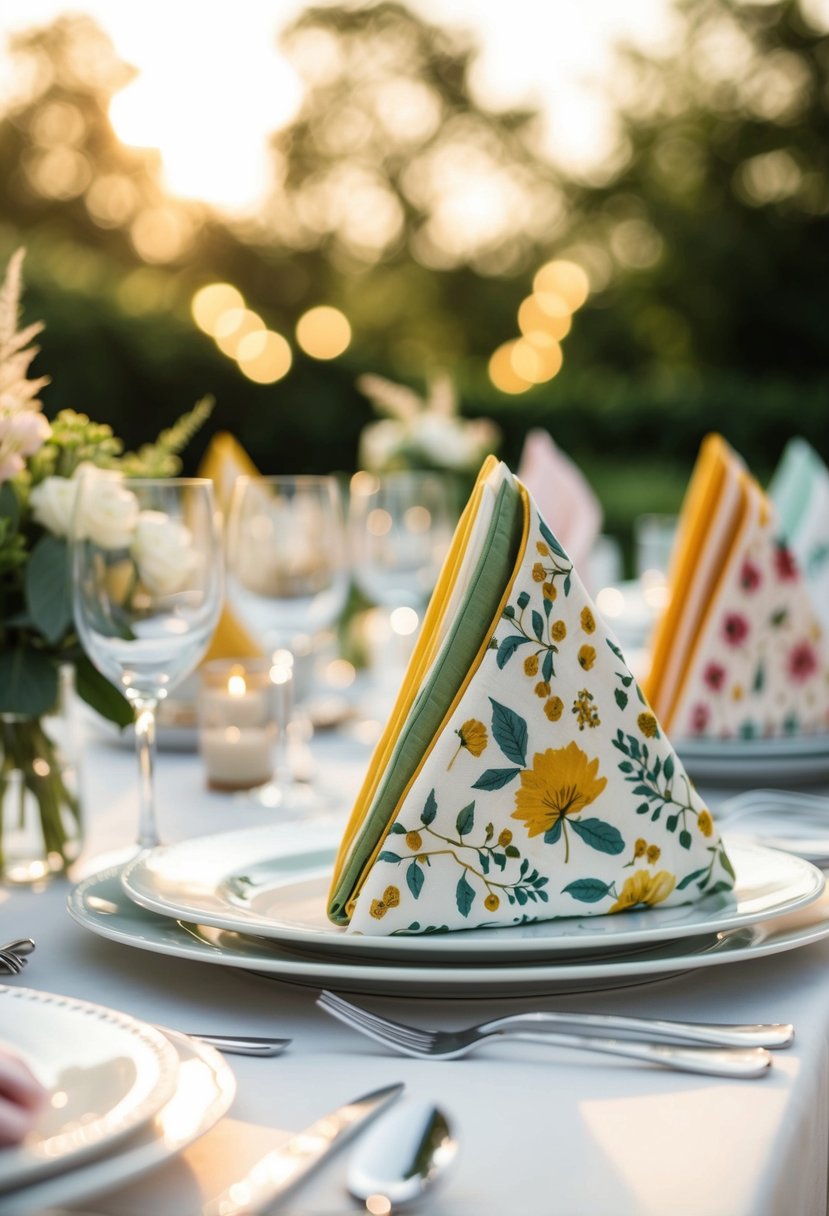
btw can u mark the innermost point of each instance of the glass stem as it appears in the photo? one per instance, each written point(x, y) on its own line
point(148, 836)
point(283, 713)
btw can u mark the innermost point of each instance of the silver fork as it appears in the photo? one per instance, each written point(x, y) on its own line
point(728, 1061)
point(11, 963)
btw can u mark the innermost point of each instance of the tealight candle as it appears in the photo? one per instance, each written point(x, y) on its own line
point(236, 727)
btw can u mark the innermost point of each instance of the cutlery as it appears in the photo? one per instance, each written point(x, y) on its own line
point(22, 946)
point(12, 963)
point(711, 1034)
point(244, 1045)
point(407, 1152)
point(270, 1177)
point(734, 1062)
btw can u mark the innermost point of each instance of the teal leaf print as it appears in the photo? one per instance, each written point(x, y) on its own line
point(553, 834)
point(621, 698)
point(496, 778)
point(387, 855)
point(414, 879)
point(538, 624)
point(508, 647)
point(429, 811)
point(692, 877)
point(510, 732)
point(465, 820)
point(603, 837)
point(587, 890)
point(547, 669)
point(550, 539)
point(398, 829)
point(523, 600)
point(464, 895)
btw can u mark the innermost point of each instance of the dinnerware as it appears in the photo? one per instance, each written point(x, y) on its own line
point(651, 1029)
point(100, 905)
point(251, 882)
point(734, 1062)
point(403, 1157)
point(789, 820)
point(789, 759)
point(287, 583)
point(21, 946)
point(245, 1045)
point(11, 962)
point(282, 1168)
point(205, 1087)
point(107, 1074)
point(147, 597)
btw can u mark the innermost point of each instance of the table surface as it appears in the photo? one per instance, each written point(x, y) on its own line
point(542, 1130)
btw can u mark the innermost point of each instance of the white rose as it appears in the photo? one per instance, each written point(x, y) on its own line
point(163, 550)
point(107, 513)
point(52, 502)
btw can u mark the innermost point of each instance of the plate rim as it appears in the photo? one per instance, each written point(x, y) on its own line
point(499, 940)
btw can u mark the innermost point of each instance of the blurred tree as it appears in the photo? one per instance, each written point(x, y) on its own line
point(715, 232)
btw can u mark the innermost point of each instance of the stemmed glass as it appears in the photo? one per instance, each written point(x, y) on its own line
point(287, 582)
point(147, 591)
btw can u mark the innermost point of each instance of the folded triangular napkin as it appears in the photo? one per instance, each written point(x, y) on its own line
point(521, 776)
point(800, 493)
point(224, 461)
point(738, 651)
point(562, 494)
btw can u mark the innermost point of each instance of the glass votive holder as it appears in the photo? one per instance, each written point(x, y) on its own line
point(237, 729)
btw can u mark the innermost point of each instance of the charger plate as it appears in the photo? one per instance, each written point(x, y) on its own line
point(788, 760)
point(204, 1090)
point(107, 1074)
point(245, 882)
point(99, 904)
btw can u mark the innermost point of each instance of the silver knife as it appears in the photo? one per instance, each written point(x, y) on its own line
point(270, 1177)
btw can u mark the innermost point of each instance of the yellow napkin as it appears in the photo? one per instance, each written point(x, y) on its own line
point(738, 651)
point(224, 461)
point(522, 776)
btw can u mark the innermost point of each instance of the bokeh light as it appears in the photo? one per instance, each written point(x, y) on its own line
point(211, 302)
point(502, 372)
point(565, 279)
point(264, 356)
point(323, 332)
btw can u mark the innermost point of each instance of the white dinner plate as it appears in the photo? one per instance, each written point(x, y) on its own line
point(99, 904)
point(204, 1090)
point(789, 760)
point(107, 1074)
point(243, 881)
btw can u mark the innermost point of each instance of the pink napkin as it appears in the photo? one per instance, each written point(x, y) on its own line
point(563, 495)
point(21, 1097)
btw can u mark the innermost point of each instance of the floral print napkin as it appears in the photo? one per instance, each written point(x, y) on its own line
point(800, 493)
point(739, 651)
point(550, 788)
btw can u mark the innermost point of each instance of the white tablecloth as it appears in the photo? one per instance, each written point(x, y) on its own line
point(542, 1130)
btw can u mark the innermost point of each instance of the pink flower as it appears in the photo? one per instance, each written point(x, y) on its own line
point(750, 576)
point(802, 661)
point(714, 676)
point(735, 628)
point(700, 717)
point(784, 564)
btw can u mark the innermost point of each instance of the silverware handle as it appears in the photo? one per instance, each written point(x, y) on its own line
point(736, 1062)
point(243, 1045)
point(771, 1035)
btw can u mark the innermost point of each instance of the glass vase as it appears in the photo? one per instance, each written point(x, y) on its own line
point(41, 823)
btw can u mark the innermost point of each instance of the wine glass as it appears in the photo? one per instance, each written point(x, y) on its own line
point(401, 525)
point(147, 593)
point(287, 583)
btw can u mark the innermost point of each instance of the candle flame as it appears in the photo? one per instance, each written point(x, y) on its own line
point(236, 686)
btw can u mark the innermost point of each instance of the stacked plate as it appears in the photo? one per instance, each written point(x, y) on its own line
point(124, 1098)
point(787, 759)
point(256, 899)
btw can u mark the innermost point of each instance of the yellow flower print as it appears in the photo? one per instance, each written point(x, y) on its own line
point(561, 782)
point(648, 725)
point(644, 888)
point(587, 657)
point(588, 622)
point(550, 592)
point(705, 823)
point(654, 853)
point(539, 573)
point(531, 665)
point(585, 711)
point(554, 708)
point(414, 841)
point(379, 907)
point(640, 848)
point(542, 688)
point(474, 736)
point(492, 902)
point(558, 631)
point(541, 548)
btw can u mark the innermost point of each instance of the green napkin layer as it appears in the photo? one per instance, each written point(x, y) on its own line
point(466, 634)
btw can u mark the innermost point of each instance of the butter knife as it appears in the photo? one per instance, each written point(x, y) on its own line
point(276, 1172)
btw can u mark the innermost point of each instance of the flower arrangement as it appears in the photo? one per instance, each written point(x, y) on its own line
point(41, 467)
point(422, 432)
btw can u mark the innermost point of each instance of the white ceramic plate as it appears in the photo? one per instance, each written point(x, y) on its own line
point(204, 1091)
point(240, 881)
point(107, 1074)
point(99, 904)
point(790, 760)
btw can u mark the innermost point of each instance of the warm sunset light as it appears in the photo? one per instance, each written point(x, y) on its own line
point(544, 313)
point(323, 332)
point(211, 302)
point(234, 325)
point(264, 356)
point(502, 371)
point(564, 279)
